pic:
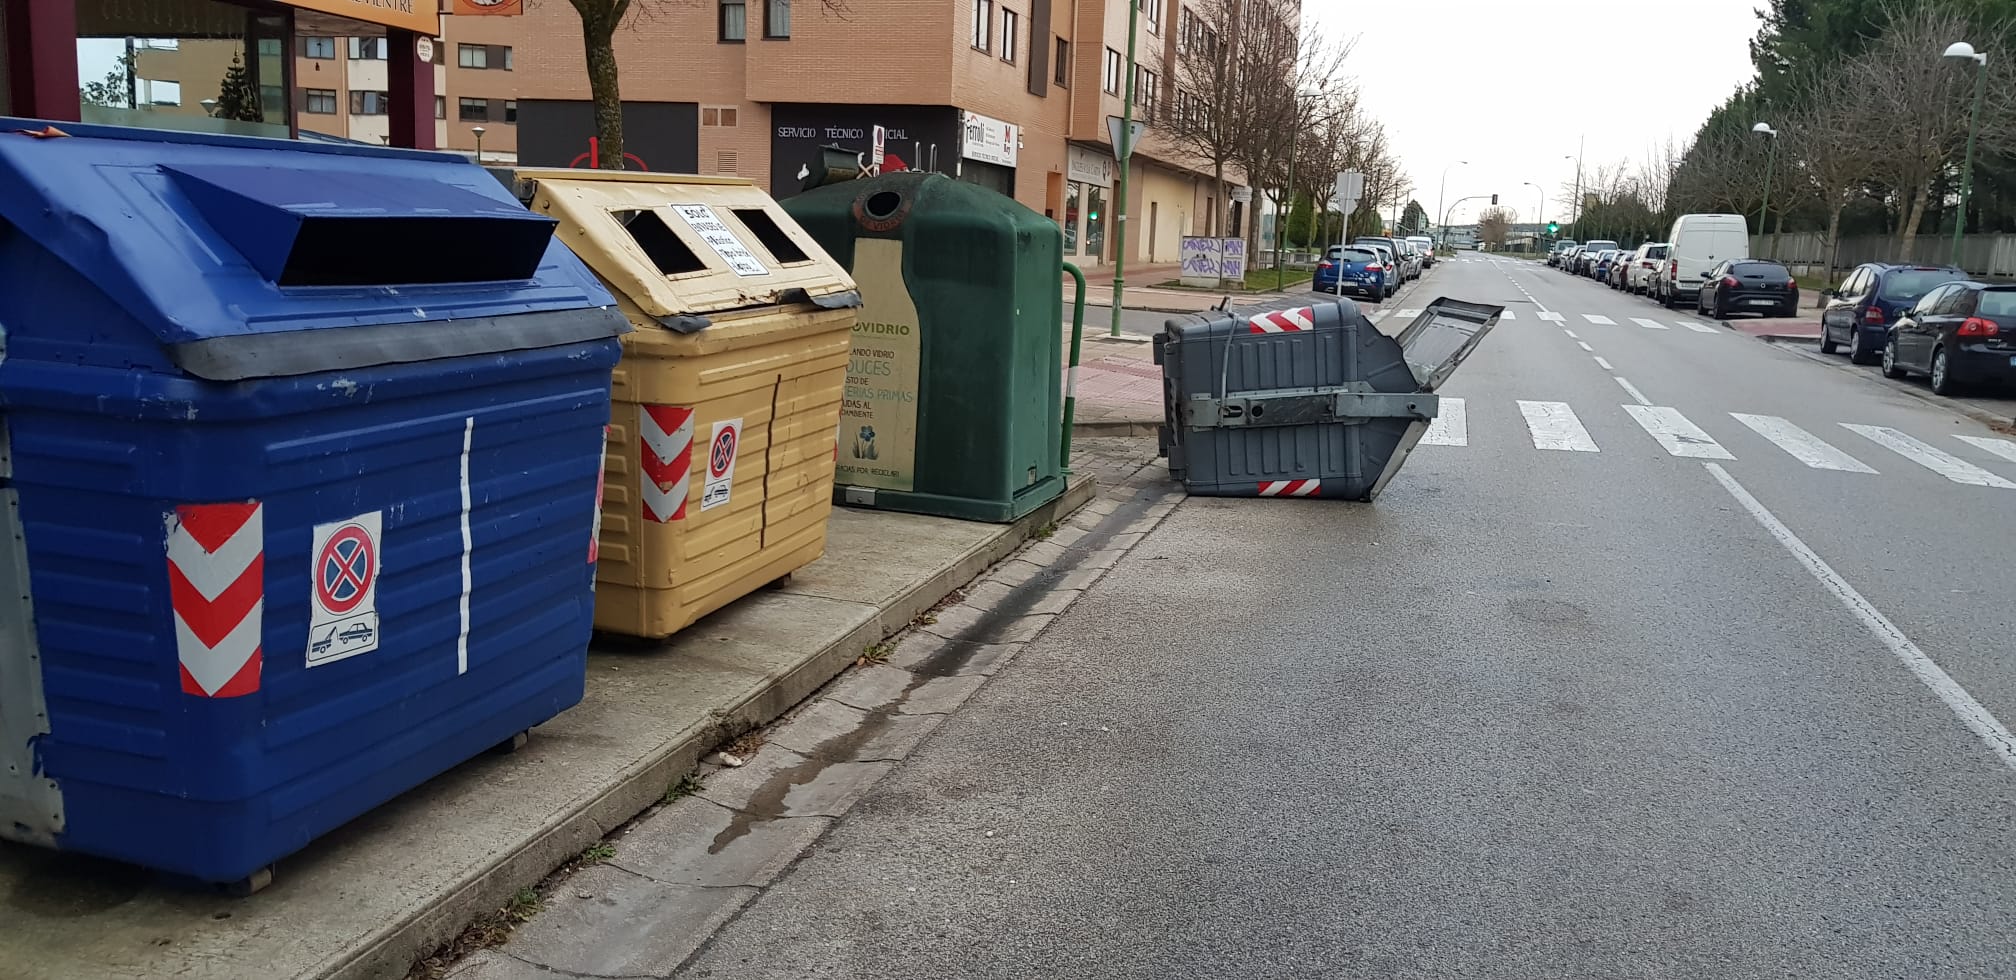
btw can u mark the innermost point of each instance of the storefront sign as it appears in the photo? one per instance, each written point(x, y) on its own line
point(1089, 166)
point(878, 416)
point(913, 138)
point(989, 140)
point(488, 8)
point(418, 16)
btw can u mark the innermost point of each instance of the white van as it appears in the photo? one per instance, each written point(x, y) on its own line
point(1699, 242)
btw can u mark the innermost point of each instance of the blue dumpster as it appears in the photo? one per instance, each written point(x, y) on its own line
point(300, 447)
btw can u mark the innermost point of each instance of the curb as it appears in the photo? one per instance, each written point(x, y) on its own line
point(1979, 415)
point(1116, 427)
point(394, 948)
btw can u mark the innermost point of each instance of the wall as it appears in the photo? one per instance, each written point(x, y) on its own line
point(1173, 195)
point(1981, 255)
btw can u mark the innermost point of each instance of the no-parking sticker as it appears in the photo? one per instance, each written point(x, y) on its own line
point(343, 588)
point(721, 450)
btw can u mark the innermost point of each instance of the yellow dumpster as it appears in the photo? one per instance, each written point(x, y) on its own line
point(718, 476)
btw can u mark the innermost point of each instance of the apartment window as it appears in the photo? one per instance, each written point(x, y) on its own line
point(368, 49)
point(511, 111)
point(1063, 71)
point(1152, 11)
point(507, 57)
point(734, 20)
point(370, 103)
point(321, 101)
point(1110, 80)
point(318, 47)
point(472, 56)
point(983, 24)
point(473, 110)
point(1144, 93)
point(269, 47)
point(721, 116)
point(1011, 30)
point(440, 107)
point(777, 18)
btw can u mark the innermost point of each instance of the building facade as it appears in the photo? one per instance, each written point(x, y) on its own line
point(1011, 94)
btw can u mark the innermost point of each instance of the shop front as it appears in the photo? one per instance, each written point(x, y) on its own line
point(913, 138)
point(987, 150)
point(220, 66)
point(1088, 186)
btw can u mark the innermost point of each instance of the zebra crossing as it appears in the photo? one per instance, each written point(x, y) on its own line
point(1555, 426)
point(1548, 316)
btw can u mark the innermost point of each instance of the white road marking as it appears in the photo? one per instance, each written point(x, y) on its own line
point(1673, 431)
point(1971, 713)
point(1584, 345)
point(1938, 461)
point(1648, 324)
point(1508, 315)
point(1597, 319)
point(1696, 327)
point(1554, 426)
point(2000, 447)
point(1570, 333)
point(1410, 313)
point(462, 639)
point(1802, 445)
point(1605, 365)
point(1632, 390)
point(1451, 427)
point(1550, 317)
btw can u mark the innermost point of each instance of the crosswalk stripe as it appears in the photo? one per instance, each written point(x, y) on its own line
point(1554, 426)
point(1550, 317)
point(1696, 327)
point(1599, 319)
point(1509, 315)
point(2000, 447)
point(1451, 426)
point(1938, 461)
point(1648, 324)
point(1802, 445)
point(1673, 431)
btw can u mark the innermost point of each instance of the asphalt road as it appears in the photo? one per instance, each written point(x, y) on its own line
point(1593, 711)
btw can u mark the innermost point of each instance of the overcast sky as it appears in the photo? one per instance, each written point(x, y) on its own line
point(1480, 80)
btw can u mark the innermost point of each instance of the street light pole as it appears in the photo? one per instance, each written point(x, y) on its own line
point(1442, 195)
point(1539, 215)
point(1961, 49)
point(1126, 153)
point(479, 131)
point(1770, 163)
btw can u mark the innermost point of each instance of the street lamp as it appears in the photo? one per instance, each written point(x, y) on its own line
point(1961, 49)
point(479, 131)
point(1539, 215)
point(1770, 161)
point(1442, 195)
point(209, 106)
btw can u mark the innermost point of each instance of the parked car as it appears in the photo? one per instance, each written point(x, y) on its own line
point(1696, 244)
point(1748, 286)
point(1567, 263)
point(1410, 264)
point(1961, 334)
point(1643, 266)
point(1861, 310)
point(1585, 262)
point(1389, 259)
point(1600, 266)
point(1560, 248)
point(1361, 271)
point(1613, 272)
point(1426, 246)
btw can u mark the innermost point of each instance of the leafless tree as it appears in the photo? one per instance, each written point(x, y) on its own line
point(1494, 225)
point(1212, 117)
point(1295, 81)
point(599, 21)
point(1827, 154)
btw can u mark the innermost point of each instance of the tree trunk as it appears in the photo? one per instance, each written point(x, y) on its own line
point(598, 34)
point(1221, 217)
point(1907, 236)
point(1833, 237)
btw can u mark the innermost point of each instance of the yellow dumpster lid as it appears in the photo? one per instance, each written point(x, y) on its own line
point(683, 245)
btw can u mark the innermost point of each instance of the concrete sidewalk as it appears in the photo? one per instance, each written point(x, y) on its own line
point(370, 899)
point(1777, 328)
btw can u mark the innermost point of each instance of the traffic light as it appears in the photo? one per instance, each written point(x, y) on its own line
point(1553, 227)
point(1494, 200)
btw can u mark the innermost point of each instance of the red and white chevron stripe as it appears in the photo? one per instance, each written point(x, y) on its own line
point(1282, 321)
point(1290, 488)
point(217, 586)
point(595, 525)
point(668, 460)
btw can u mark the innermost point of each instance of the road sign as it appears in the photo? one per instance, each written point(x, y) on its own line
point(343, 593)
point(1350, 186)
point(1134, 136)
point(721, 464)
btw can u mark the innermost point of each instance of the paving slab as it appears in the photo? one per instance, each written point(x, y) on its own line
point(372, 897)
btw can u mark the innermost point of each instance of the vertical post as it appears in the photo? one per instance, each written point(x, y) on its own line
point(1770, 162)
point(1126, 153)
point(411, 84)
point(1280, 220)
point(1967, 168)
point(1071, 376)
point(42, 60)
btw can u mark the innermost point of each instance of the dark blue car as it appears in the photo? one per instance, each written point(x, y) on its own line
point(1861, 311)
point(1363, 271)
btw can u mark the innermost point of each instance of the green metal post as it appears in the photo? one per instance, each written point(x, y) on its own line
point(1126, 152)
point(1280, 224)
point(1967, 168)
point(1770, 163)
point(1071, 376)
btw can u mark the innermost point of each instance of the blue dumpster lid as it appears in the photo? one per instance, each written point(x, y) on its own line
point(219, 244)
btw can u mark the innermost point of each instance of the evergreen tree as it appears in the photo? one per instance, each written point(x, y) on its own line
point(237, 97)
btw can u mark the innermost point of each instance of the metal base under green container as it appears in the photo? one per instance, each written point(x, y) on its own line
point(954, 389)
